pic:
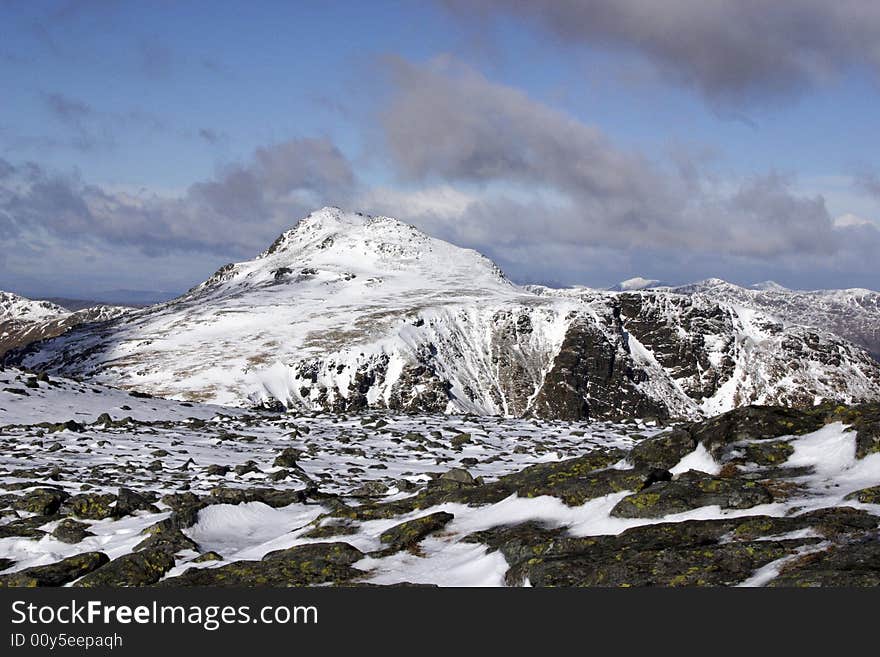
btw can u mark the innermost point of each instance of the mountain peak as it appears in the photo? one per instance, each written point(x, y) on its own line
point(769, 286)
point(637, 283)
point(328, 219)
point(712, 282)
point(320, 227)
point(13, 306)
point(333, 245)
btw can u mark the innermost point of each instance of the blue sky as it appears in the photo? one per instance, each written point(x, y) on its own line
point(127, 129)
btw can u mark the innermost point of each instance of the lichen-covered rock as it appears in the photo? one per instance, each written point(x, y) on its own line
point(288, 458)
point(167, 538)
point(751, 423)
point(337, 553)
point(454, 479)
point(136, 569)
point(185, 509)
point(663, 451)
point(370, 489)
point(409, 533)
point(691, 490)
point(56, 574)
point(689, 553)
point(69, 425)
point(326, 527)
point(41, 501)
point(270, 496)
point(574, 481)
point(866, 495)
point(838, 521)
point(852, 563)
point(71, 531)
point(303, 565)
point(129, 501)
point(246, 468)
point(92, 506)
point(26, 527)
point(718, 565)
point(769, 453)
point(865, 420)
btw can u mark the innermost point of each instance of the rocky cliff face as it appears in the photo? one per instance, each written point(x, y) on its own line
point(347, 312)
point(594, 375)
point(853, 314)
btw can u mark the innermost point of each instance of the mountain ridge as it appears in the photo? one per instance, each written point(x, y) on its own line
point(347, 312)
point(24, 321)
point(852, 313)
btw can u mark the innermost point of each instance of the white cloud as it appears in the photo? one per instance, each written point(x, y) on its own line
point(443, 200)
point(850, 220)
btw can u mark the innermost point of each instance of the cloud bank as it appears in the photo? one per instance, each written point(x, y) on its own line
point(476, 162)
point(731, 51)
point(448, 125)
point(232, 214)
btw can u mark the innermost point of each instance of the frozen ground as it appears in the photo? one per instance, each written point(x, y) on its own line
point(263, 482)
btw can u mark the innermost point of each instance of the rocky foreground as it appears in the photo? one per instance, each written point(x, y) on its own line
point(757, 496)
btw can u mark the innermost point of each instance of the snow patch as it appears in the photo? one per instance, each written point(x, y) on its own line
point(700, 459)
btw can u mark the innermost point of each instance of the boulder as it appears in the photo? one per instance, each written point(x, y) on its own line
point(866, 495)
point(71, 531)
point(41, 501)
point(136, 569)
point(408, 534)
point(288, 458)
point(691, 490)
point(663, 451)
point(129, 501)
point(853, 563)
point(303, 565)
point(56, 574)
point(272, 497)
point(92, 506)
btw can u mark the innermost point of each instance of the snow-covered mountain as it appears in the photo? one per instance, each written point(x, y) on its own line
point(637, 283)
point(346, 312)
point(15, 307)
point(23, 320)
point(853, 314)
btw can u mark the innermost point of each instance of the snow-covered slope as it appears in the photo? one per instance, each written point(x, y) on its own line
point(853, 313)
point(23, 320)
point(26, 398)
point(347, 311)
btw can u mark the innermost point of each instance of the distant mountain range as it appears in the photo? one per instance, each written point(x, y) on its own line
point(852, 313)
point(24, 321)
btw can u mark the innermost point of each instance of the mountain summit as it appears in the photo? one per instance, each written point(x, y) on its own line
point(331, 244)
point(346, 312)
